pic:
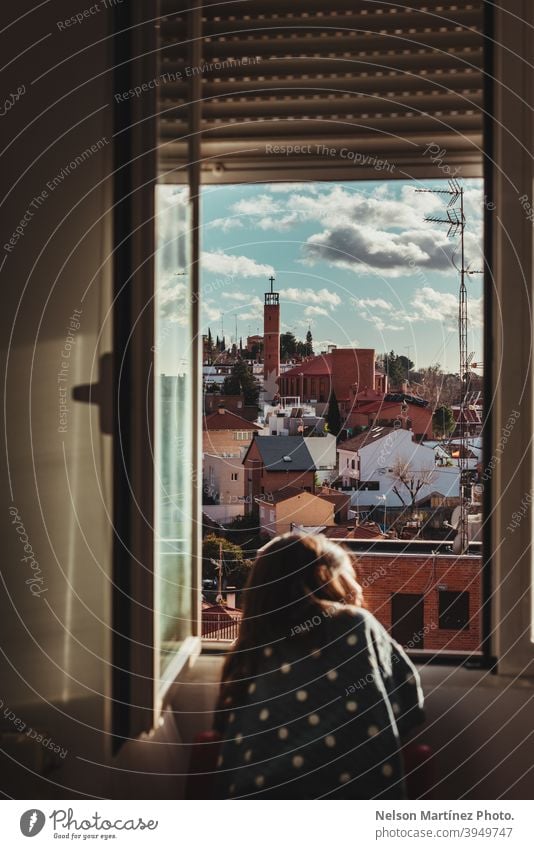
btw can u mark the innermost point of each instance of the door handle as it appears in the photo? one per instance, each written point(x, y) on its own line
point(100, 393)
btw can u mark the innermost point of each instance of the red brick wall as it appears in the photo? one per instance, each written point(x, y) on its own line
point(383, 575)
point(352, 365)
point(271, 337)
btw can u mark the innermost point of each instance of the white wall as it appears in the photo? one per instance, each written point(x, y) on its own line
point(377, 457)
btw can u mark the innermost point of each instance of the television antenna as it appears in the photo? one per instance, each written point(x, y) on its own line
point(455, 222)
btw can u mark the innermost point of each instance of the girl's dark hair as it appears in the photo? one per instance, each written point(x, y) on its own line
point(294, 578)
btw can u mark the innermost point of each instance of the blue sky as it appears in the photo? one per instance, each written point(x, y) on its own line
point(355, 261)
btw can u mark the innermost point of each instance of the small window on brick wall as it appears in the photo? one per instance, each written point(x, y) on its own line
point(453, 610)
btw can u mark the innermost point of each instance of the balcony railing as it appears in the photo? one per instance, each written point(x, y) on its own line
point(219, 626)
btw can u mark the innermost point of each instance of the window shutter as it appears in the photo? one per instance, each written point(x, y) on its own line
point(325, 90)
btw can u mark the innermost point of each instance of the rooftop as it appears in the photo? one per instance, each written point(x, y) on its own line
point(223, 419)
point(282, 453)
point(366, 438)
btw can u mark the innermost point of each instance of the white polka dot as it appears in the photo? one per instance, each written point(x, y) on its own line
point(387, 770)
point(220, 760)
point(285, 668)
point(330, 741)
point(302, 695)
point(283, 733)
point(259, 781)
point(410, 678)
point(297, 761)
point(251, 688)
point(396, 708)
point(228, 700)
point(314, 719)
point(238, 738)
point(248, 754)
point(231, 717)
point(316, 653)
point(351, 641)
point(264, 714)
point(344, 777)
point(372, 731)
point(351, 706)
point(231, 789)
point(332, 675)
point(267, 651)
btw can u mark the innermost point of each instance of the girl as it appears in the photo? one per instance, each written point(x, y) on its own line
point(315, 694)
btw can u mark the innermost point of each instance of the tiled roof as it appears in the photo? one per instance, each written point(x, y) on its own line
point(284, 453)
point(284, 494)
point(227, 421)
point(365, 438)
point(320, 365)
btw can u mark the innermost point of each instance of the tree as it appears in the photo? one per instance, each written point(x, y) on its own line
point(235, 565)
point(409, 481)
point(241, 381)
point(397, 368)
point(309, 343)
point(437, 386)
point(443, 422)
point(210, 345)
point(333, 416)
point(288, 345)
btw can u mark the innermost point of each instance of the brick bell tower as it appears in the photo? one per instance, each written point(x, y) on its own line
point(271, 341)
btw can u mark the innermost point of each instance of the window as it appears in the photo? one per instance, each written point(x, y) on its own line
point(453, 610)
point(174, 435)
point(371, 486)
point(235, 476)
point(242, 435)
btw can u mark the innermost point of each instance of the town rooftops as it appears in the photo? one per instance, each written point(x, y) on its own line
point(283, 453)
point(223, 419)
point(283, 494)
point(366, 438)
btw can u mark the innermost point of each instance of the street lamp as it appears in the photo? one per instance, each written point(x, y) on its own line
point(384, 499)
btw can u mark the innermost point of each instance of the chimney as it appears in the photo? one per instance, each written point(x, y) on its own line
point(230, 596)
point(404, 387)
point(221, 409)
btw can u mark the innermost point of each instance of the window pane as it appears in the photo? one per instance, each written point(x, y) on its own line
point(366, 294)
point(173, 449)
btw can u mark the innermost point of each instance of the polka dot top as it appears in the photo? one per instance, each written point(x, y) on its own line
point(322, 717)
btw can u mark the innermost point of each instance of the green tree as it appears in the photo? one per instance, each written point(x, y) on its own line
point(397, 368)
point(241, 381)
point(443, 421)
point(333, 416)
point(288, 345)
point(309, 343)
point(235, 565)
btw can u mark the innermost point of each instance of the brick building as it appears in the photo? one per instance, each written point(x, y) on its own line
point(342, 370)
point(426, 601)
point(224, 432)
point(273, 463)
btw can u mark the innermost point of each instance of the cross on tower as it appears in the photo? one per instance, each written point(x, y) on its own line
point(271, 281)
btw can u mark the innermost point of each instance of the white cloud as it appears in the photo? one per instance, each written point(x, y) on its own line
point(373, 303)
point(311, 296)
point(234, 266)
point(309, 312)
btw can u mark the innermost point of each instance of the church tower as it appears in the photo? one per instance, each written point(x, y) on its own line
point(271, 341)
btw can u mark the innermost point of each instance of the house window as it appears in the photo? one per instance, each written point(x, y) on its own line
point(453, 610)
point(234, 476)
point(242, 435)
point(370, 486)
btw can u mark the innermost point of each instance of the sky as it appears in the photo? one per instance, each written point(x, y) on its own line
point(356, 262)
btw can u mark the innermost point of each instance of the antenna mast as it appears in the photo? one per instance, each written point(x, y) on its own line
point(455, 221)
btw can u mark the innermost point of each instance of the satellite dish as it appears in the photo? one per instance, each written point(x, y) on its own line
point(455, 518)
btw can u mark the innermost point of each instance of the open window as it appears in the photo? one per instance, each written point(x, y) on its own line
point(246, 94)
